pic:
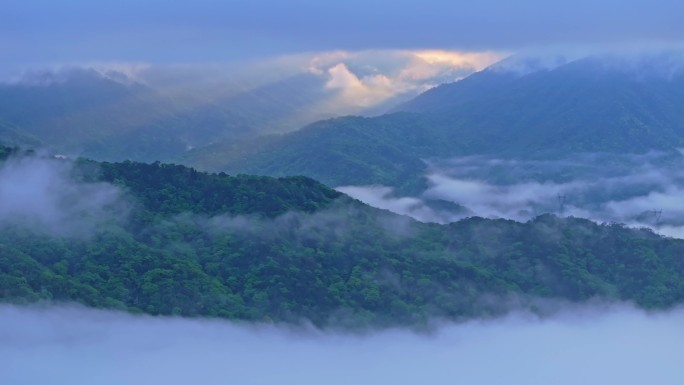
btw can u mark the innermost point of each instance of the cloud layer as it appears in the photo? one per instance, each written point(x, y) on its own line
point(587, 345)
point(639, 190)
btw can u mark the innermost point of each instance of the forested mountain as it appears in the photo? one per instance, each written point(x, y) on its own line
point(291, 249)
point(348, 150)
point(592, 104)
point(512, 109)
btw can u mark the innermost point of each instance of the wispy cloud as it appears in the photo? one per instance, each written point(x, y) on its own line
point(638, 190)
point(383, 197)
point(41, 195)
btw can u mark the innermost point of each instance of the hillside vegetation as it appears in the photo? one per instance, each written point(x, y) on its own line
point(290, 249)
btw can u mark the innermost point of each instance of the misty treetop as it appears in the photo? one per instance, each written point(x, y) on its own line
point(292, 249)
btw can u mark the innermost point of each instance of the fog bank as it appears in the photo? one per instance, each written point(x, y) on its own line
point(42, 195)
point(642, 190)
point(588, 345)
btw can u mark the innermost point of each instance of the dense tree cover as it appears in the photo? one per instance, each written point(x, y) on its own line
point(258, 248)
point(167, 189)
point(342, 151)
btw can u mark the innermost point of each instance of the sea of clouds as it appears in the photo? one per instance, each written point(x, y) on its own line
point(595, 344)
point(643, 190)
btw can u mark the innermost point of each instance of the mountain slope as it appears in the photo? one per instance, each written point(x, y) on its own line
point(83, 111)
point(595, 104)
point(257, 248)
point(284, 105)
point(592, 104)
point(349, 150)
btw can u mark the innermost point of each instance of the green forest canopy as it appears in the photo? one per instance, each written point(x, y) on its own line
point(291, 249)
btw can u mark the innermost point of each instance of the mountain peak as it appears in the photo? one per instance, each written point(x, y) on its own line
point(661, 64)
point(521, 65)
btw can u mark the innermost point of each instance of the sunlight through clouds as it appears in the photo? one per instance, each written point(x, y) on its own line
point(368, 78)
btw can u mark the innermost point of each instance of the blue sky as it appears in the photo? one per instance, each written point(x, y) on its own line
point(48, 31)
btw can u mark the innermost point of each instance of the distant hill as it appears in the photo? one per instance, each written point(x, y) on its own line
point(515, 108)
point(108, 116)
point(83, 111)
point(593, 104)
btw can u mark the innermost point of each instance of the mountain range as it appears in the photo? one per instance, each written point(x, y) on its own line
point(515, 108)
point(85, 112)
point(108, 115)
point(168, 239)
point(520, 107)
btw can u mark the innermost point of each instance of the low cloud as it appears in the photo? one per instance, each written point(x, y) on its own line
point(333, 222)
point(381, 197)
point(488, 200)
point(587, 345)
point(42, 195)
point(365, 92)
point(325, 225)
point(638, 190)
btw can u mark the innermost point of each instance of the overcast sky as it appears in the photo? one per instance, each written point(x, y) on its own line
point(48, 31)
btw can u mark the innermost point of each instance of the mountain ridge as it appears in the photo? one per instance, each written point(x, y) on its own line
point(576, 107)
point(291, 249)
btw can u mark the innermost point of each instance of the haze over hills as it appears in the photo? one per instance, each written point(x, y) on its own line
point(111, 116)
point(83, 111)
point(512, 109)
point(147, 112)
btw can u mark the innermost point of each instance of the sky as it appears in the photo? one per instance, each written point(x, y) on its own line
point(371, 53)
point(46, 31)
